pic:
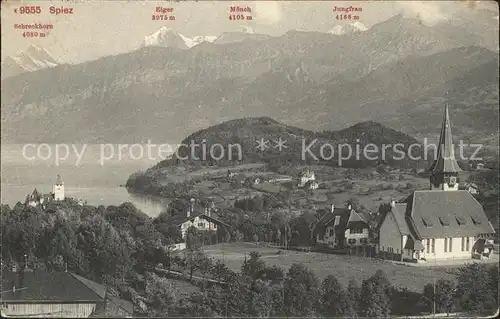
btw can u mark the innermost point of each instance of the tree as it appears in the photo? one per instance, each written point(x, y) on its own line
point(274, 274)
point(159, 295)
point(353, 293)
point(254, 267)
point(239, 290)
point(445, 291)
point(301, 292)
point(375, 296)
point(205, 264)
point(194, 239)
point(219, 271)
point(260, 303)
point(475, 292)
point(335, 300)
point(195, 260)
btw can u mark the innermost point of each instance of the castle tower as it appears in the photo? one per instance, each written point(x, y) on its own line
point(445, 169)
point(59, 188)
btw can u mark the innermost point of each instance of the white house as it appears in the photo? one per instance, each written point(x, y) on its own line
point(472, 188)
point(311, 185)
point(342, 227)
point(205, 221)
point(305, 177)
point(440, 223)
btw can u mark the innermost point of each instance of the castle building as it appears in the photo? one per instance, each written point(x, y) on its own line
point(59, 189)
point(440, 223)
point(36, 198)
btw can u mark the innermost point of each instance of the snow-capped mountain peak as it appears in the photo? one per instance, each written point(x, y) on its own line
point(167, 37)
point(348, 28)
point(247, 29)
point(32, 59)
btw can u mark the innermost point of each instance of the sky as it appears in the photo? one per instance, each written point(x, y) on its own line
point(101, 28)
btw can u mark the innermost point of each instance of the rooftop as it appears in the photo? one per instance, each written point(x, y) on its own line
point(438, 213)
point(47, 286)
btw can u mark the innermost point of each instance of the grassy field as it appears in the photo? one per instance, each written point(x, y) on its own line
point(343, 267)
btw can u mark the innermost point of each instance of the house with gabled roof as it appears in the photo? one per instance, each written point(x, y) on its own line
point(57, 294)
point(306, 176)
point(442, 222)
point(341, 227)
point(205, 220)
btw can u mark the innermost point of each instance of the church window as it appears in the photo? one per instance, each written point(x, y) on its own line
point(444, 221)
point(475, 220)
point(461, 220)
point(427, 221)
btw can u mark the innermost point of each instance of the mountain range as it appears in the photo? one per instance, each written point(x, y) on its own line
point(399, 72)
point(171, 38)
point(348, 28)
point(32, 59)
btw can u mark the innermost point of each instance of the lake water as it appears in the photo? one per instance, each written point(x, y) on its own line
point(98, 182)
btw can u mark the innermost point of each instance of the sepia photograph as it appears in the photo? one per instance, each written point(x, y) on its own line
point(249, 159)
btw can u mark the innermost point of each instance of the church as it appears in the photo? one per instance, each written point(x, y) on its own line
point(440, 223)
point(38, 199)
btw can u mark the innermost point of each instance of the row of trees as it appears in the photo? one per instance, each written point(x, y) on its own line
point(259, 290)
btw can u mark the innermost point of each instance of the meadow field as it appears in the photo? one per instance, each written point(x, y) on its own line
point(343, 267)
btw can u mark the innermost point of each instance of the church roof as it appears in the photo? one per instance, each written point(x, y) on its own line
point(445, 161)
point(437, 214)
point(399, 213)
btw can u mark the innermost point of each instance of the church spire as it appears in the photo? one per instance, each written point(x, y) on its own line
point(445, 169)
point(445, 162)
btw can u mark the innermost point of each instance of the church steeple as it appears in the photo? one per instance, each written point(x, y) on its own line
point(445, 169)
point(59, 180)
point(59, 188)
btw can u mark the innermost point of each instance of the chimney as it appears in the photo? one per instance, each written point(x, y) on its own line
point(393, 203)
point(188, 213)
point(211, 208)
point(13, 287)
point(349, 206)
point(332, 208)
point(191, 208)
